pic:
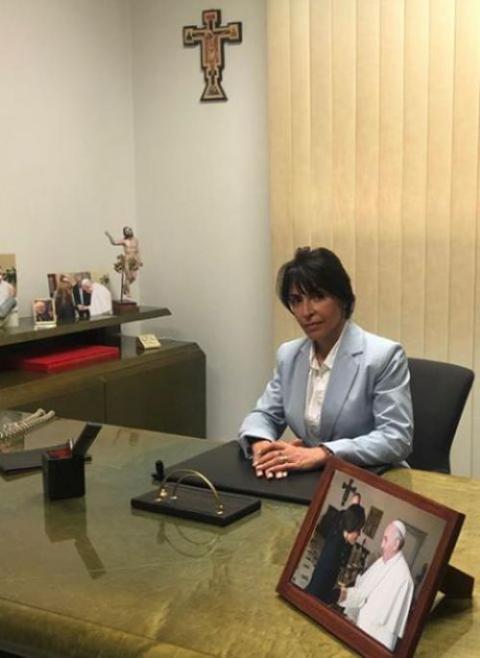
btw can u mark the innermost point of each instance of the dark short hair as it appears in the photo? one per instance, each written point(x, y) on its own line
point(316, 271)
point(353, 518)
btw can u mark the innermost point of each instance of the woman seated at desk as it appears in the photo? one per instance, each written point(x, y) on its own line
point(341, 390)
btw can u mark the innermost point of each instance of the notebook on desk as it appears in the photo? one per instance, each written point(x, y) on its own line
point(229, 470)
point(12, 463)
point(23, 460)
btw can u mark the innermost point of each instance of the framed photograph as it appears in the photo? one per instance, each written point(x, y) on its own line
point(43, 312)
point(369, 559)
point(80, 295)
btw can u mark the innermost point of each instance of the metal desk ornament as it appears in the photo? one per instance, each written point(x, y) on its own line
point(198, 501)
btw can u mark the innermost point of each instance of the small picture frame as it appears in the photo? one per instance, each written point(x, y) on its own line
point(373, 591)
point(43, 312)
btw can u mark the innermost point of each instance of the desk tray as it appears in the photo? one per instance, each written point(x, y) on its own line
point(198, 504)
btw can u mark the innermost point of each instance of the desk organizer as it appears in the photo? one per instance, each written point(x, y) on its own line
point(63, 474)
point(193, 502)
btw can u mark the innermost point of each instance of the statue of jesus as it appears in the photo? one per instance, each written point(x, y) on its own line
point(130, 261)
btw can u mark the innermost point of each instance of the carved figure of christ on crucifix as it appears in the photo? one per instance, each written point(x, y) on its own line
point(212, 37)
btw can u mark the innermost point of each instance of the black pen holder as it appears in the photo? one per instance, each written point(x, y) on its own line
point(63, 475)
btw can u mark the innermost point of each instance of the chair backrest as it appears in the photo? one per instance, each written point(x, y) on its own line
point(439, 392)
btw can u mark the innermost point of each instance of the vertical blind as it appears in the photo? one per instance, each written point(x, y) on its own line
point(374, 136)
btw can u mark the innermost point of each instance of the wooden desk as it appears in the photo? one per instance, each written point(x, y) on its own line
point(89, 577)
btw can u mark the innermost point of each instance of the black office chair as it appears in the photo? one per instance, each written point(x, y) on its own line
point(439, 392)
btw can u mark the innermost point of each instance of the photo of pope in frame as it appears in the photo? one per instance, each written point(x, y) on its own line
point(368, 560)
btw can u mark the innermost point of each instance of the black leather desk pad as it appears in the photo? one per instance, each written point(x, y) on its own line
point(229, 470)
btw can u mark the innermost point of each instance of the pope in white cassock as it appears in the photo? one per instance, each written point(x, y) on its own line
point(380, 600)
point(101, 298)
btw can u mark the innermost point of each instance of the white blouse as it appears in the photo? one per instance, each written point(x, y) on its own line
point(318, 378)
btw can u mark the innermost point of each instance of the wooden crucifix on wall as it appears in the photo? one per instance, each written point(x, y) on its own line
point(212, 36)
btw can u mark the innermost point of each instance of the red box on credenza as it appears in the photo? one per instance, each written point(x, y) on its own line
point(57, 361)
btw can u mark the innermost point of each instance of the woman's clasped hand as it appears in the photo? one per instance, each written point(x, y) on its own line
point(274, 459)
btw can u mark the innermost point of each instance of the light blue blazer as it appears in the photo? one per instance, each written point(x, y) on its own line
point(366, 417)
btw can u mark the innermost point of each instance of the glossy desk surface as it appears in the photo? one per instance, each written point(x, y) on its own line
point(89, 577)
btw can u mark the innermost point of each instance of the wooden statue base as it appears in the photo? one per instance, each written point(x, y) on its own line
point(120, 307)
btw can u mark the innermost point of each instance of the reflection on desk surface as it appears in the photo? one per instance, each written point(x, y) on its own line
point(88, 577)
point(68, 522)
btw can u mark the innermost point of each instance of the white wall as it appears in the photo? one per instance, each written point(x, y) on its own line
point(68, 161)
point(201, 178)
point(66, 135)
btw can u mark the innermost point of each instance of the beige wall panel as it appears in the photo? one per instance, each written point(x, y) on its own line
point(367, 163)
point(322, 157)
point(280, 134)
point(280, 125)
point(464, 181)
point(440, 129)
point(390, 168)
point(414, 175)
point(301, 108)
point(475, 443)
point(344, 83)
point(464, 207)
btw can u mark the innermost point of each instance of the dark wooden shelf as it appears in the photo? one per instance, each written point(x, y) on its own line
point(26, 331)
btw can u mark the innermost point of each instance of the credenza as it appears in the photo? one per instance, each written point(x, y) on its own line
point(161, 389)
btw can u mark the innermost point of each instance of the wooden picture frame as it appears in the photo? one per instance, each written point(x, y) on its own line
point(429, 532)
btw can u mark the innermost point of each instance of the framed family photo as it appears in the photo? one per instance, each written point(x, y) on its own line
point(368, 560)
